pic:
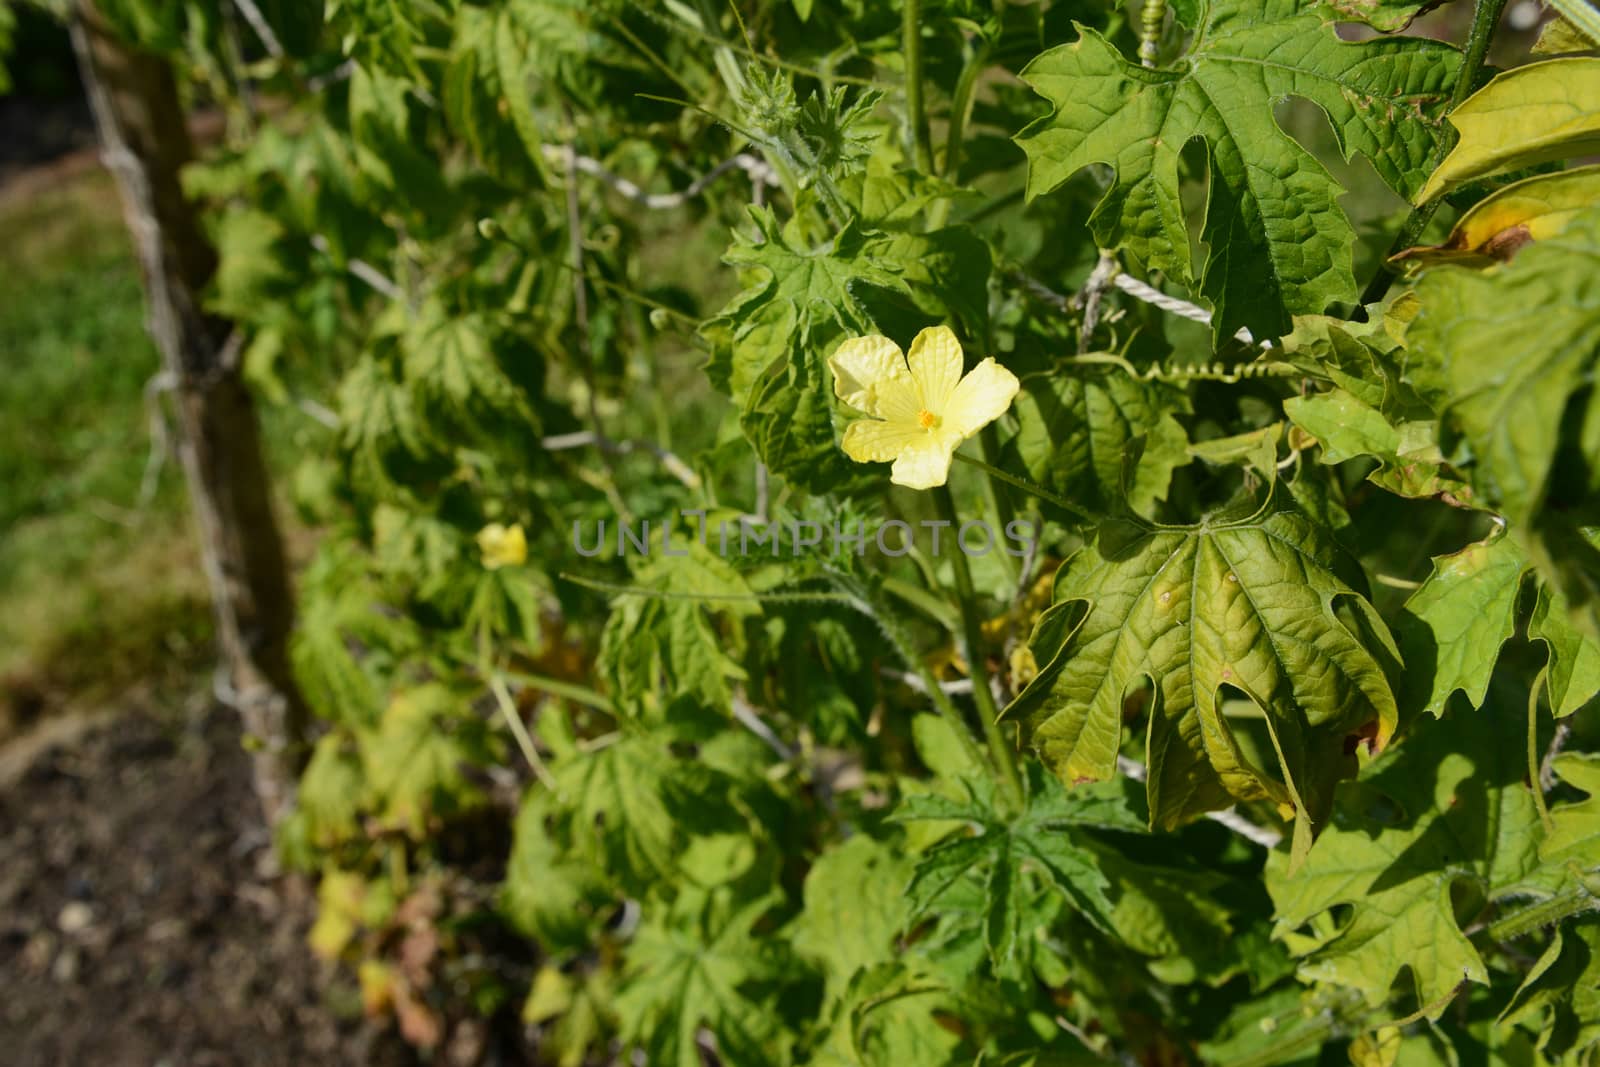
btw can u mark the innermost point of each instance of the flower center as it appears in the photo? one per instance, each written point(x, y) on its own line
point(928, 420)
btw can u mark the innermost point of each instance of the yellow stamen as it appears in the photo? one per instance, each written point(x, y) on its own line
point(927, 419)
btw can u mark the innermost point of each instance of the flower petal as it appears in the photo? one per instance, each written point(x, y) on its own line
point(926, 463)
point(875, 441)
point(862, 366)
point(983, 396)
point(935, 360)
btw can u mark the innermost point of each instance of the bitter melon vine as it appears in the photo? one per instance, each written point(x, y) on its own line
point(659, 725)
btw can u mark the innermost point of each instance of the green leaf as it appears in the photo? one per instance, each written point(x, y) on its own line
point(1570, 853)
point(1440, 821)
point(620, 800)
point(1386, 16)
point(1576, 28)
point(1246, 599)
point(485, 94)
point(386, 151)
point(1279, 242)
point(791, 283)
point(691, 967)
point(341, 612)
point(1524, 117)
point(788, 419)
point(379, 429)
point(1172, 913)
point(666, 644)
point(1002, 850)
point(1284, 1026)
point(250, 264)
point(550, 893)
point(8, 24)
point(1572, 677)
point(1074, 432)
point(1410, 462)
point(331, 791)
point(1560, 995)
point(894, 1013)
point(945, 274)
point(1382, 406)
point(460, 387)
point(890, 195)
point(1455, 623)
point(854, 909)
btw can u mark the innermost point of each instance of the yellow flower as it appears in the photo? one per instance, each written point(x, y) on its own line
point(921, 406)
point(503, 546)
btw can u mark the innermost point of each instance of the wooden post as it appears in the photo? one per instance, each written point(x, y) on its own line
point(145, 143)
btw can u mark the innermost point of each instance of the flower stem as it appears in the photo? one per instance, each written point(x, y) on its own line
point(1485, 18)
point(1005, 762)
point(1029, 487)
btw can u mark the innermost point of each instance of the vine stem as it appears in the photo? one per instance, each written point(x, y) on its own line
point(519, 731)
point(1152, 18)
point(916, 118)
point(971, 629)
point(1027, 487)
point(1485, 18)
point(874, 608)
point(1535, 782)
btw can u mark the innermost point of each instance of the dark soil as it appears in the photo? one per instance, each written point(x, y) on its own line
point(141, 922)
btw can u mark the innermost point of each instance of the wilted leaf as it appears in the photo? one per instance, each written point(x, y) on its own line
point(1499, 225)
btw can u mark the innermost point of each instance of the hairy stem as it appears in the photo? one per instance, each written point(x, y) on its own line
point(918, 142)
point(1004, 760)
point(1485, 18)
point(961, 107)
point(889, 623)
point(1029, 487)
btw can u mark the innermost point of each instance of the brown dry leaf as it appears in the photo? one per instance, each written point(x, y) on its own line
point(1498, 226)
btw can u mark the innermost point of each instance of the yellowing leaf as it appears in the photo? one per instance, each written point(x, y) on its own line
point(415, 758)
point(339, 911)
point(1561, 35)
point(1522, 118)
point(1500, 224)
point(1514, 344)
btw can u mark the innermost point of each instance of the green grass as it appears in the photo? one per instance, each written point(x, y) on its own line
point(99, 591)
